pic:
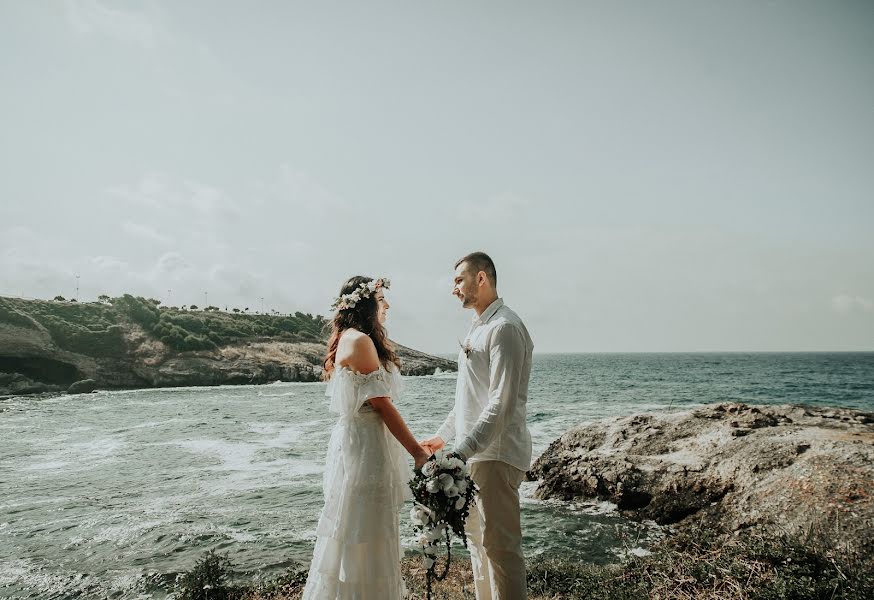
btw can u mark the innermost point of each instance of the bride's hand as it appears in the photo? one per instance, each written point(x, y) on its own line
point(422, 457)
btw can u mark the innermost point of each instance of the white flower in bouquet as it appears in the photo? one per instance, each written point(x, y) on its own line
point(461, 484)
point(452, 491)
point(432, 486)
point(445, 462)
point(430, 468)
point(434, 534)
point(445, 481)
point(419, 514)
point(459, 504)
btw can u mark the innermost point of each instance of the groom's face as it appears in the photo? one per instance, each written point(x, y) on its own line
point(465, 287)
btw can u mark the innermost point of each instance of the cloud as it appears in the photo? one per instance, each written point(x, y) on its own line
point(171, 265)
point(207, 199)
point(144, 232)
point(501, 208)
point(192, 217)
point(110, 263)
point(299, 193)
point(844, 303)
point(149, 191)
point(89, 17)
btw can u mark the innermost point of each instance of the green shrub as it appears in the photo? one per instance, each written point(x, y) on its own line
point(9, 314)
point(188, 322)
point(94, 339)
point(207, 580)
point(139, 310)
point(91, 328)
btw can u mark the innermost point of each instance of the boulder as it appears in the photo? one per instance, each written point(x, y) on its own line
point(728, 466)
point(16, 384)
point(84, 386)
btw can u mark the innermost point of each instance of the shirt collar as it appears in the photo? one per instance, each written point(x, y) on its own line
point(488, 313)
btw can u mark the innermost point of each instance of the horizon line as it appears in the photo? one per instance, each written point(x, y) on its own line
point(580, 352)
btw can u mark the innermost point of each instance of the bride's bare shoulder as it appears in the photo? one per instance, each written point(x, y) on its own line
point(357, 351)
point(352, 339)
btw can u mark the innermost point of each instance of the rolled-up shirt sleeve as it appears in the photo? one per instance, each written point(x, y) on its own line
point(506, 357)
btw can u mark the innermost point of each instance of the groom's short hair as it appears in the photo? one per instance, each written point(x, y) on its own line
point(480, 261)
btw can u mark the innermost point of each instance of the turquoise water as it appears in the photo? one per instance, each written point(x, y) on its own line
point(112, 494)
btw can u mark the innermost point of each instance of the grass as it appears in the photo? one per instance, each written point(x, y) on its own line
point(696, 565)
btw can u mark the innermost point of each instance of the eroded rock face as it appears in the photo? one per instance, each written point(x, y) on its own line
point(31, 363)
point(85, 386)
point(731, 466)
point(18, 384)
point(414, 362)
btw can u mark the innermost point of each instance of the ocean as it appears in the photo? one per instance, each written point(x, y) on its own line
point(112, 494)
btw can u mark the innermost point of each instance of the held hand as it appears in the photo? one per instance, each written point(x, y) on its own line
point(422, 457)
point(433, 444)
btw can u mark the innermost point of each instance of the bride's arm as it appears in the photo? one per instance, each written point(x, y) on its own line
point(365, 360)
point(398, 427)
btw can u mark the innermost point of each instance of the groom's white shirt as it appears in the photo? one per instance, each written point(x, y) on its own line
point(491, 396)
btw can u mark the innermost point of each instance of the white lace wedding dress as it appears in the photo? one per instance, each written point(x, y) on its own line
point(358, 550)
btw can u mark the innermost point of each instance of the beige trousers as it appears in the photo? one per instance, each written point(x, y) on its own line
point(494, 532)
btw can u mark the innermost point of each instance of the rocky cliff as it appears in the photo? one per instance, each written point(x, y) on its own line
point(47, 347)
point(727, 466)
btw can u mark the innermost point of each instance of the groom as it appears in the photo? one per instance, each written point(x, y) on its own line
point(488, 424)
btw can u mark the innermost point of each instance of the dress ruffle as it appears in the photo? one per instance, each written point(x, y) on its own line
point(349, 390)
point(357, 553)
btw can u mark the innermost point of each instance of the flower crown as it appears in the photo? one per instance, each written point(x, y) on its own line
point(365, 290)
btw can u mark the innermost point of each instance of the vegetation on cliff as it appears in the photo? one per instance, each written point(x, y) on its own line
point(134, 342)
point(209, 329)
point(91, 329)
point(94, 328)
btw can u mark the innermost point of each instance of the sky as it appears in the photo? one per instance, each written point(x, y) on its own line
point(648, 176)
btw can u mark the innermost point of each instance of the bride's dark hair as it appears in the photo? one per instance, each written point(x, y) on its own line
point(364, 318)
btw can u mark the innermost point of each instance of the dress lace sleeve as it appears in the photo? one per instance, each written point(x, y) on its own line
point(373, 385)
point(350, 390)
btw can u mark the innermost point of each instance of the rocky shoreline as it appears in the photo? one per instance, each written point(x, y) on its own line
point(727, 467)
point(32, 363)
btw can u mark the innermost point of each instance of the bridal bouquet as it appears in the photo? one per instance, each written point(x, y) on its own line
point(443, 492)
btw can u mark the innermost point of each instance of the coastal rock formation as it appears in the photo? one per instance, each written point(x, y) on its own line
point(85, 386)
point(728, 466)
point(33, 361)
point(20, 385)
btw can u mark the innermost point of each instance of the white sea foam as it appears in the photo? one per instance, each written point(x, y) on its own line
point(121, 534)
point(234, 456)
point(49, 465)
point(442, 375)
point(583, 507)
point(243, 472)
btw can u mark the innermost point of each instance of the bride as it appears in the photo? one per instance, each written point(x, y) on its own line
point(357, 554)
